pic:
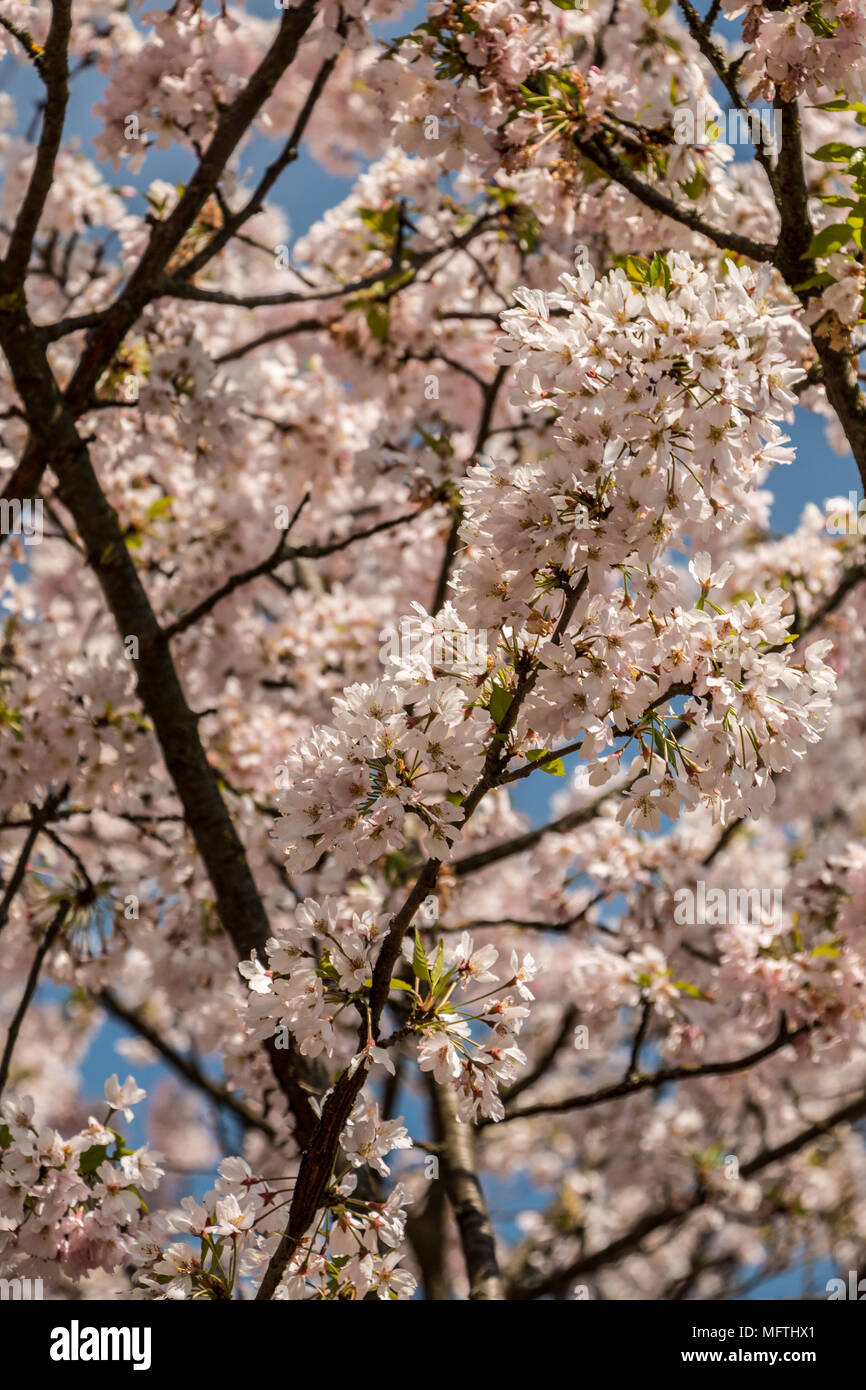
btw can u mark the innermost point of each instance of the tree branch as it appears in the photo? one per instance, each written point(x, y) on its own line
point(48, 940)
point(460, 1173)
point(652, 1081)
point(279, 556)
point(39, 819)
point(187, 1067)
point(558, 1281)
point(239, 905)
point(54, 73)
point(610, 163)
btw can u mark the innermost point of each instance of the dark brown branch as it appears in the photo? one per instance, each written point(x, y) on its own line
point(52, 932)
point(701, 31)
point(171, 286)
point(54, 72)
point(273, 335)
point(652, 1081)
point(26, 40)
point(187, 1067)
point(51, 332)
point(318, 1161)
point(560, 1280)
point(279, 556)
point(610, 163)
point(39, 819)
point(238, 902)
point(166, 236)
point(288, 155)
point(471, 863)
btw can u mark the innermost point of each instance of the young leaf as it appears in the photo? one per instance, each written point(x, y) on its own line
point(500, 703)
point(834, 152)
point(378, 321)
point(92, 1157)
point(691, 990)
point(829, 239)
point(696, 186)
point(438, 963)
point(555, 766)
point(637, 269)
point(419, 959)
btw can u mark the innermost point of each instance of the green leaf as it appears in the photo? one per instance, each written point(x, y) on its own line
point(815, 282)
point(555, 767)
point(818, 23)
point(696, 186)
point(397, 866)
point(829, 239)
point(419, 959)
point(327, 967)
point(691, 990)
point(637, 269)
point(826, 950)
point(834, 152)
point(160, 507)
point(5, 1137)
point(438, 964)
point(92, 1157)
point(499, 703)
point(659, 273)
point(528, 231)
point(382, 221)
point(395, 984)
point(378, 321)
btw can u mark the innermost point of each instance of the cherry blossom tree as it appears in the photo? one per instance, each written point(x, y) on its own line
point(315, 548)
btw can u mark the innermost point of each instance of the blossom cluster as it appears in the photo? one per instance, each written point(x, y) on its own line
point(401, 754)
point(75, 1203)
point(323, 964)
point(226, 1239)
point(667, 398)
point(805, 49)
